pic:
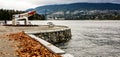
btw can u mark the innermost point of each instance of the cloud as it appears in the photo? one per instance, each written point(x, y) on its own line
point(16, 4)
point(25, 4)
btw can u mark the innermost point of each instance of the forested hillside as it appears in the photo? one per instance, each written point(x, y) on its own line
point(7, 15)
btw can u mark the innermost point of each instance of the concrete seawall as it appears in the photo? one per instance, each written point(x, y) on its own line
point(55, 36)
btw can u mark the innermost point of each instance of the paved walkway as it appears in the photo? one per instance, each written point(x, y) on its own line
point(11, 29)
point(7, 47)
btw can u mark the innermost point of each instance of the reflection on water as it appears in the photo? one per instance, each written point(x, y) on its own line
point(91, 38)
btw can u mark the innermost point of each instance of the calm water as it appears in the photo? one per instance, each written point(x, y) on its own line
point(91, 38)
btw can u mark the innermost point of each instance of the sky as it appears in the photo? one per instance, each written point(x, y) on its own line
point(26, 4)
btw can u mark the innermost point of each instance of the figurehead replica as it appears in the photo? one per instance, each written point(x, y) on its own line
point(23, 16)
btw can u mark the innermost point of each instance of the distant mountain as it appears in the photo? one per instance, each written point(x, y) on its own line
point(30, 9)
point(76, 6)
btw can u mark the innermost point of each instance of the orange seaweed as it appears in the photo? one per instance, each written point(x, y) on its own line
point(29, 47)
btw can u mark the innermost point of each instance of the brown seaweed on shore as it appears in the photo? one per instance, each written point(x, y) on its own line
point(29, 47)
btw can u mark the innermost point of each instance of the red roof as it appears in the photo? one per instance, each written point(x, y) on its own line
point(31, 12)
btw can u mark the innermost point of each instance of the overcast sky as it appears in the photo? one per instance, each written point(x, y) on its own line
point(25, 4)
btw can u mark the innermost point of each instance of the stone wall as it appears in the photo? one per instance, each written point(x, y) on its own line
point(55, 36)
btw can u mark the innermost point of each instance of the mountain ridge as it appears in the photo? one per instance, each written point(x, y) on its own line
point(75, 6)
